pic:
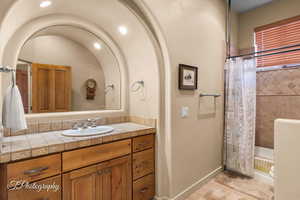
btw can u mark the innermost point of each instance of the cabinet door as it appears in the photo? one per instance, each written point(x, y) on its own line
point(81, 184)
point(106, 181)
point(33, 193)
point(116, 179)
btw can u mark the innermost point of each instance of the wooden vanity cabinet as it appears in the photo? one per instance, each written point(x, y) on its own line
point(120, 170)
point(107, 181)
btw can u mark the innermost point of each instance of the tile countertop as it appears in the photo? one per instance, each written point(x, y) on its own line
point(32, 145)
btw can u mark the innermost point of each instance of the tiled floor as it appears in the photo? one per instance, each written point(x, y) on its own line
point(227, 186)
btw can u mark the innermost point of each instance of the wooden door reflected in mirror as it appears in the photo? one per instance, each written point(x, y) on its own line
point(51, 91)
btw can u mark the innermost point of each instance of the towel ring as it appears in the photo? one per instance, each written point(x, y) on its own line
point(137, 85)
point(109, 88)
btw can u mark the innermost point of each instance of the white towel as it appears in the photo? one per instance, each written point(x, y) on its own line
point(207, 105)
point(13, 115)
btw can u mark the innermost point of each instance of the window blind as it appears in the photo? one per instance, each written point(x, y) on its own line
point(279, 34)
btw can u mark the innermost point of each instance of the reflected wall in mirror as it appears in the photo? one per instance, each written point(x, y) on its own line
point(65, 68)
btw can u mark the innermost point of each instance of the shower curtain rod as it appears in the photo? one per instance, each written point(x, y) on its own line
point(269, 50)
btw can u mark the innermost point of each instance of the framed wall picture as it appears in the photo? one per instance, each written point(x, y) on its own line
point(188, 77)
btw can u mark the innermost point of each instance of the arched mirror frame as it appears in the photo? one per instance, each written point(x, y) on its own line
point(25, 33)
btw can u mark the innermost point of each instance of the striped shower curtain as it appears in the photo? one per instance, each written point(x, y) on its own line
point(240, 115)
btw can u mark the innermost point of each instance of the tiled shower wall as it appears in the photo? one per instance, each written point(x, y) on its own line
point(278, 96)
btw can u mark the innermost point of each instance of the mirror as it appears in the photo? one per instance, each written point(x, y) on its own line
point(65, 68)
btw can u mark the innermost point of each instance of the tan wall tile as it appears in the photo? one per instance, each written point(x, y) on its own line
point(6, 132)
point(114, 120)
point(270, 108)
point(101, 121)
point(32, 128)
point(67, 124)
point(56, 125)
point(39, 151)
point(21, 132)
point(20, 155)
point(279, 82)
point(97, 140)
point(84, 143)
point(56, 148)
point(278, 95)
point(71, 145)
point(44, 126)
point(5, 157)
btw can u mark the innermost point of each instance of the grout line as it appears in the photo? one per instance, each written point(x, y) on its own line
point(237, 190)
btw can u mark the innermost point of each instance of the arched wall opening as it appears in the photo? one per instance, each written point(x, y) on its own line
point(151, 26)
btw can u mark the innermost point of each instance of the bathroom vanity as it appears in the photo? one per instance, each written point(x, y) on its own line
point(121, 167)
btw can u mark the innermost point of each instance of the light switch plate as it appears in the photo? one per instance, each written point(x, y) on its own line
point(184, 111)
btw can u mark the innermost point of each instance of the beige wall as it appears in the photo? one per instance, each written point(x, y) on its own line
point(195, 34)
point(269, 13)
point(234, 48)
point(58, 50)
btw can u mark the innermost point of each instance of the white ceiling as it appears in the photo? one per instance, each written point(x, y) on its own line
point(246, 5)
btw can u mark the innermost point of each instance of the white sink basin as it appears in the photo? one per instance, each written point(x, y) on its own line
point(99, 130)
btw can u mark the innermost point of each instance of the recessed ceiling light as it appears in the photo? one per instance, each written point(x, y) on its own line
point(123, 30)
point(97, 46)
point(45, 4)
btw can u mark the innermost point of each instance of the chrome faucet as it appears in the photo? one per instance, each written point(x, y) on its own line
point(89, 123)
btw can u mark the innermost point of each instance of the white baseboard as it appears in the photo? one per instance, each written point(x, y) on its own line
point(195, 186)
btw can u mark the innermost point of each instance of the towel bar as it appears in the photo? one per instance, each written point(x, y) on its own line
point(209, 95)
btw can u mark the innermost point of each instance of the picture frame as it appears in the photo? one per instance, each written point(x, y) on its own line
point(188, 77)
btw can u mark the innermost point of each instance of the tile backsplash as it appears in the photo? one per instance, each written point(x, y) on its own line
point(278, 96)
point(57, 125)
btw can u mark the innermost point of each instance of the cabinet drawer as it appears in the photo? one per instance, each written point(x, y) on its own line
point(144, 188)
point(143, 142)
point(34, 169)
point(54, 193)
point(143, 163)
point(92, 155)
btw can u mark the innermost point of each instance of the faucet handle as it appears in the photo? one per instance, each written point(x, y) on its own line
point(76, 125)
point(94, 123)
point(90, 123)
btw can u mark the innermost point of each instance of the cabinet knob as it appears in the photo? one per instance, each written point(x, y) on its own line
point(143, 190)
point(100, 172)
point(106, 171)
point(143, 144)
